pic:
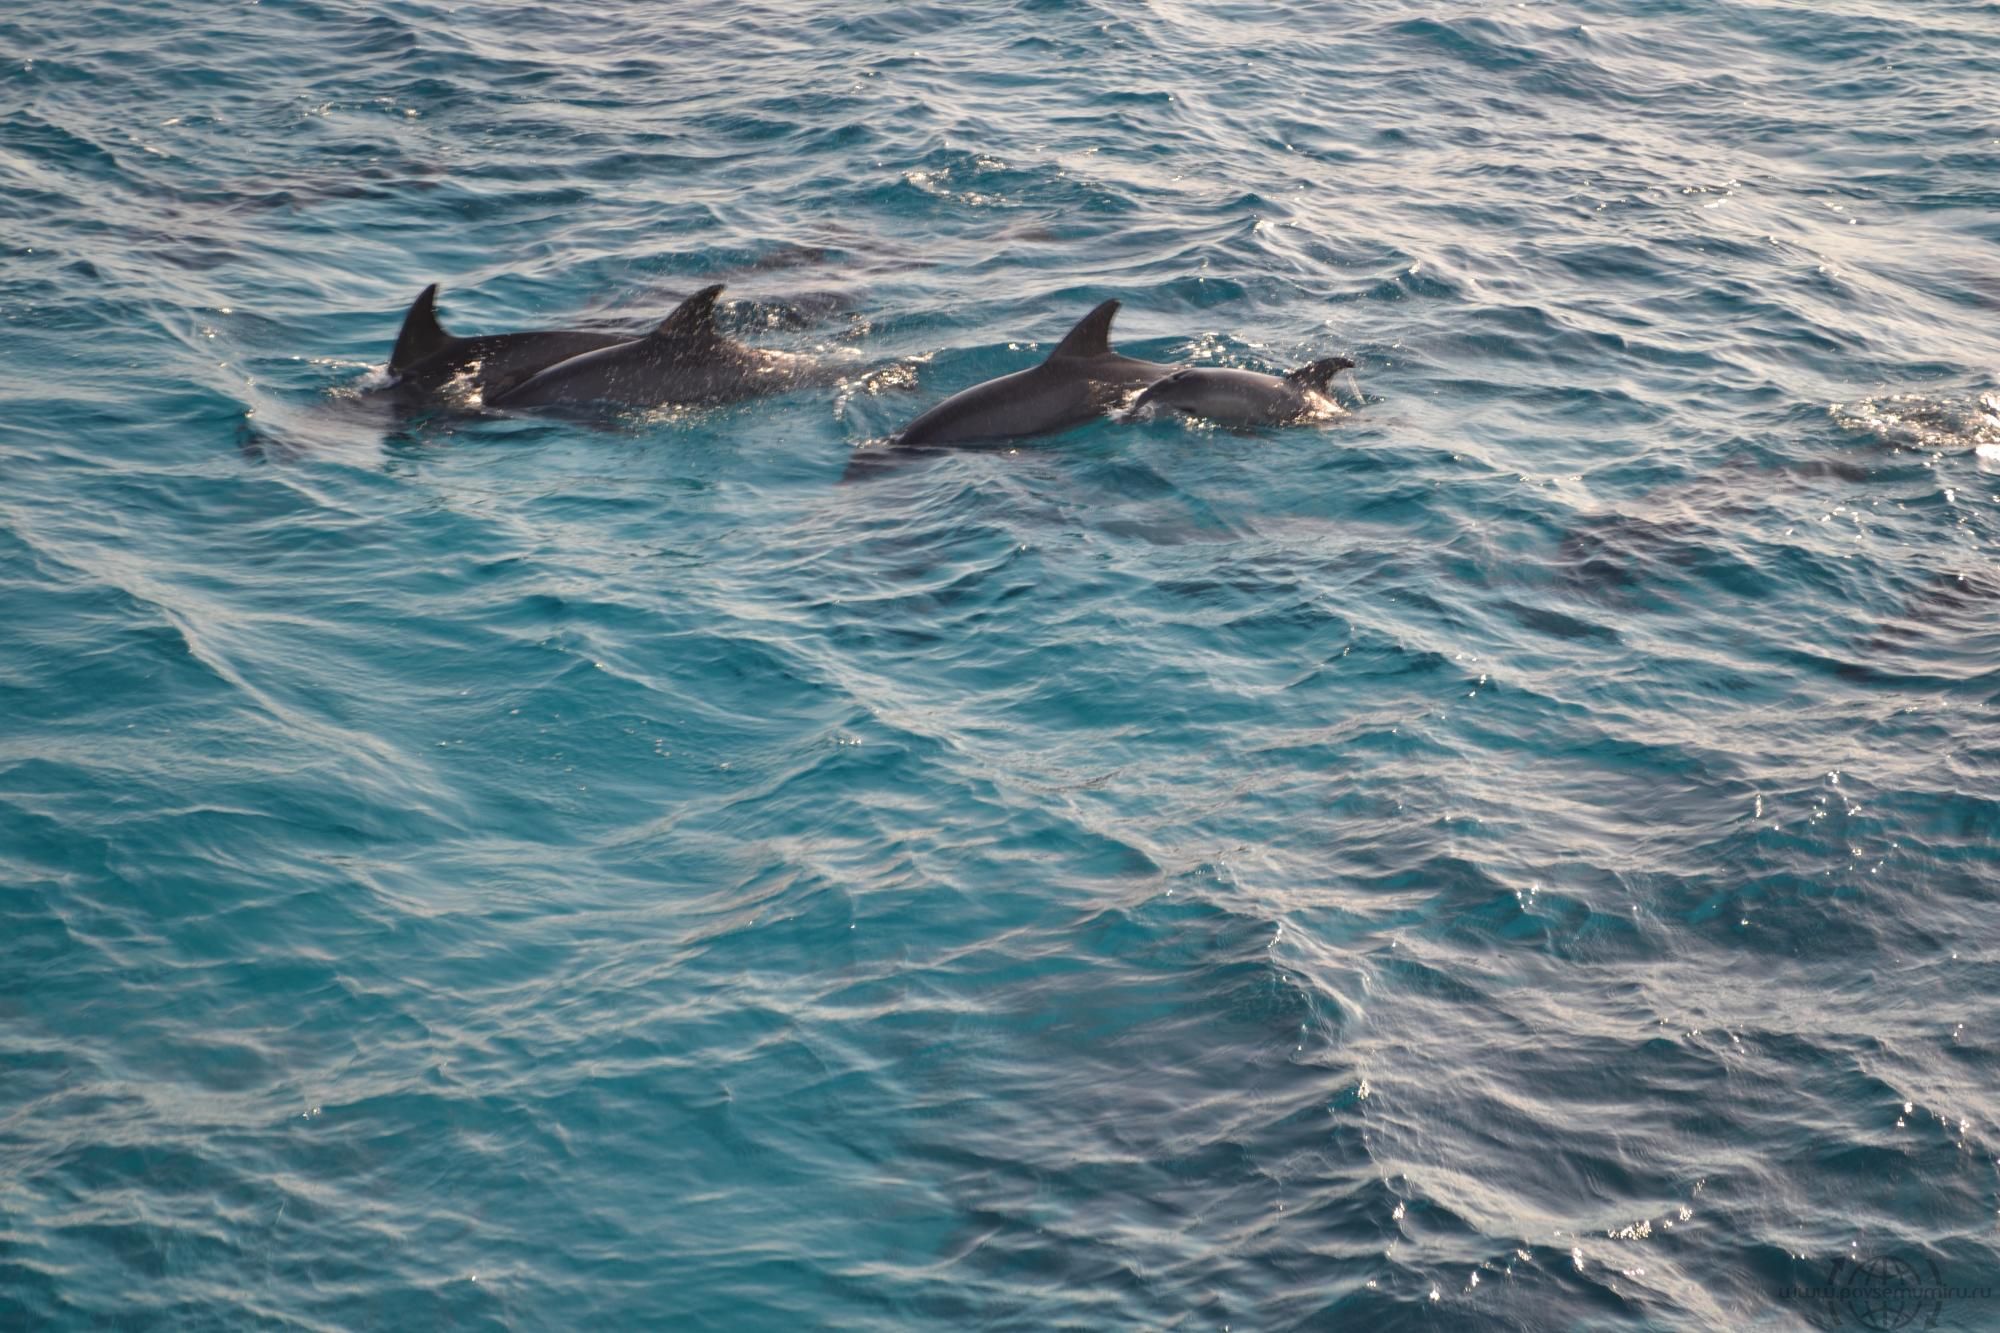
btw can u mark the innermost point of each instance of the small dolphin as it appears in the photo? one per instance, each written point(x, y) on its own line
point(1244, 398)
point(431, 362)
point(685, 360)
point(1080, 380)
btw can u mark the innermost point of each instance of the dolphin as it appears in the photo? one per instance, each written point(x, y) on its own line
point(685, 360)
point(431, 362)
point(1080, 380)
point(1243, 398)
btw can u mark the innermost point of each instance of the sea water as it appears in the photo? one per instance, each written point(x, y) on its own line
point(1521, 856)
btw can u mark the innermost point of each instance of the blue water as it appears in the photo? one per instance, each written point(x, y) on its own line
point(1519, 857)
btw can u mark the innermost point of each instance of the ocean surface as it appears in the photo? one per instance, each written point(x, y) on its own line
point(1519, 856)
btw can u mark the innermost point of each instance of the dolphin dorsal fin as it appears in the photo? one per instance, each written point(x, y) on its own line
point(1090, 337)
point(692, 318)
point(1318, 374)
point(422, 335)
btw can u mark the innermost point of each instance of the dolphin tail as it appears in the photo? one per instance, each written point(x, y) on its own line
point(1091, 336)
point(422, 335)
point(1318, 374)
point(692, 318)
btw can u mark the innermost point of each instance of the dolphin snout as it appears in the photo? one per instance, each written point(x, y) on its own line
point(1155, 391)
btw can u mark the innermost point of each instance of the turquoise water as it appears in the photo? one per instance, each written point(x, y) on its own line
point(1519, 857)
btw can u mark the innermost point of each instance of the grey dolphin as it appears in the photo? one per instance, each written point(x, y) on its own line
point(685, 360)
point(1246, 398)
point(1080, 380)
point(430, 362)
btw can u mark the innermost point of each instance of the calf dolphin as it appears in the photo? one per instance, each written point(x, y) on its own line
point(431, 362)
point(1080, 379)
point(1244, 397)
point(685, 360)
